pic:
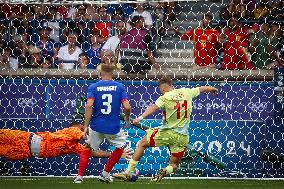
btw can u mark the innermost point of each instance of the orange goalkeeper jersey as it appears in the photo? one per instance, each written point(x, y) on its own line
point(62, 142)
point(14, 144)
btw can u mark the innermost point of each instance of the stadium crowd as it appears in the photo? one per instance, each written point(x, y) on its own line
point(249, 35)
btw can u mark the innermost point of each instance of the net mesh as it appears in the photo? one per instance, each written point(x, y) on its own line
point(52, 51)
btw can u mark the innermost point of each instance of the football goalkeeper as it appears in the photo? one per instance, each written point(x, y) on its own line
point(177, 107)
point(18, 145)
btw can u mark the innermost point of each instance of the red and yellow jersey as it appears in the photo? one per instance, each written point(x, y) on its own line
point(235, 53)
point(204, 45)
point(65, 141)
point(236, 39)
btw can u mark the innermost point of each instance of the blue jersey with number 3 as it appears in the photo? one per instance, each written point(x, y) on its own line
point(108, 96)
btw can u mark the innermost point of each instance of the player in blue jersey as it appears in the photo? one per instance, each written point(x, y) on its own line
point(102, 120)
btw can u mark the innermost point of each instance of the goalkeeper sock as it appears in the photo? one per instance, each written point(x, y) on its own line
point(84, 161)
point(113, 159)
point(131, 166)
point(169, 169)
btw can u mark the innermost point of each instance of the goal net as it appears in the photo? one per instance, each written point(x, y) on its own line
point(51, 51)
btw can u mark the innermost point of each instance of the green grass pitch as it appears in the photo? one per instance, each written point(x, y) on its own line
point(92, 183)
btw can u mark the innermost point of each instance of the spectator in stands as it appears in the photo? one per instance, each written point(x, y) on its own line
point(108, 57)
point(3, 29)
point(80, 13)
point(281, 43)
point(51, 17)
point(3, 44)
point(235, 47)
point(118, 14)
point(250, 6)
point(51, 13)
point(40, 11)
point(274, 46)
point(33, 60)
point(265, 45)
point(262, 10)
point(23, 13)
point(68, 55)
point(5, 10)
point(20, 48)
point(170, 15)
point(83, 61)
point(113, 42)
point(127, 9)
point(94, 51)
point(47, 45)
point(237, 9)
point(138, 38)
point(164, 15)
point(205, 42)
point(46, 63)
point(104, 25)
point(79, 24)
point(159, 15)
point(5, 58)
point(282, 10)
point(224, 14)
point(90, 12)
point(102, 14)
point(65, 11)
point(277, 11)
point(140, 11)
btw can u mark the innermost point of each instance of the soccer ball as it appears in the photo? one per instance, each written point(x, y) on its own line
point(134, 176)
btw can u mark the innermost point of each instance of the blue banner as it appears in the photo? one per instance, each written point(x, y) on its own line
point(57, 101)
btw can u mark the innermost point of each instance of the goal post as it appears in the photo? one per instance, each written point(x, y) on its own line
point(237, 134)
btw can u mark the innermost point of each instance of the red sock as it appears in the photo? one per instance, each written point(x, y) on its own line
point(113, 159)
point(84, 161)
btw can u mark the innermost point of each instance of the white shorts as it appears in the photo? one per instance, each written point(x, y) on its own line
point(95, 139)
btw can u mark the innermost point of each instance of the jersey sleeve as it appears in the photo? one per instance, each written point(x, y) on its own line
point(187, 35)
point(194, 92)
point(124, 95)
point(160, 102)
point(91, 92)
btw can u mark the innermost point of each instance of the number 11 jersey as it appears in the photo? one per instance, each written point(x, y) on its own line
point(177, 108)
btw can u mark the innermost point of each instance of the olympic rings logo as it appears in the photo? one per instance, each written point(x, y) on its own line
point(27, 102)
point(257, 107)
point(144, 104)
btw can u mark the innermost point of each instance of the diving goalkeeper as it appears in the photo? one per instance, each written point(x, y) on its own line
point(177, 106)
point(18, 145)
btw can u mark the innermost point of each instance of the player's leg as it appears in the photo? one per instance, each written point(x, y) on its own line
point(153, 138)
point(92, 143)
point(119, 141)
point(177, 144)
point(173, 164)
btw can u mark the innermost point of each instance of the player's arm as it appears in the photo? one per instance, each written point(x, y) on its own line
point(126, 110)
point(88, 114)
point(149, 111)
point(206, 89)
point(125, 104)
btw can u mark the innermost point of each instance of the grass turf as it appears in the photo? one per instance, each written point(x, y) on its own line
point(66, 183)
